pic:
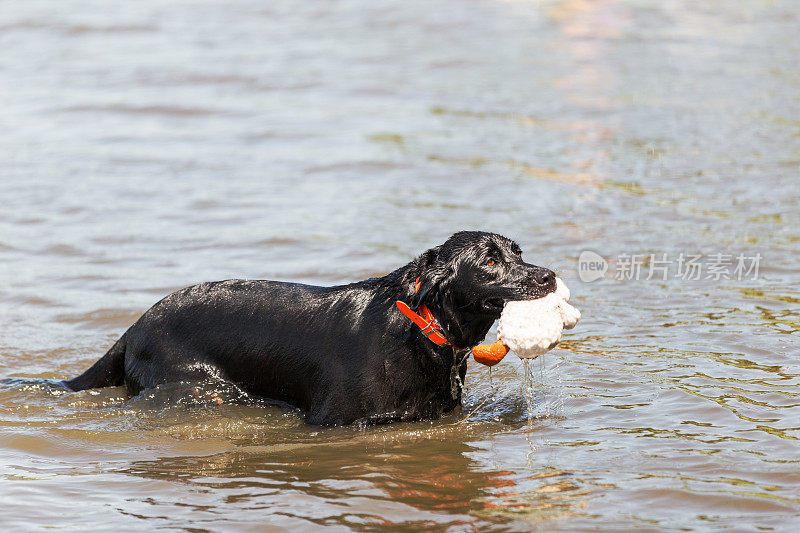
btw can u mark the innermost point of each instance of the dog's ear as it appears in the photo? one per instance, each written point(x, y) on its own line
point(434, 274)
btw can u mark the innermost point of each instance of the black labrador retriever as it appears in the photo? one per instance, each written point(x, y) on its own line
point(344, 354)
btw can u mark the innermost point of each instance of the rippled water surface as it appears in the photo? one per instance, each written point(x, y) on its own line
point(145, 146)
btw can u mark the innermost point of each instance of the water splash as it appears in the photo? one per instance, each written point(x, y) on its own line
point(527, 389)
point(544, 396)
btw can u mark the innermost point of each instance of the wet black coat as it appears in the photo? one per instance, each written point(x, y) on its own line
point(341, 354)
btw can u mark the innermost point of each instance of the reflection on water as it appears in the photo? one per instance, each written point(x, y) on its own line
point(158, 145)
point(415, 483)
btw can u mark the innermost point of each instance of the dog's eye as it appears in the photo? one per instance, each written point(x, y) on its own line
point(490, 262)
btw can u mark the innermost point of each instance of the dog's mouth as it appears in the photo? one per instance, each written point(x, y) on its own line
point(494, 305)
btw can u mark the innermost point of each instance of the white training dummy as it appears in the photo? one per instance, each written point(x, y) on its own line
point(530, 327)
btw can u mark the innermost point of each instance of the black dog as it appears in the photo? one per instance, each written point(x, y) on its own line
point(341, 354)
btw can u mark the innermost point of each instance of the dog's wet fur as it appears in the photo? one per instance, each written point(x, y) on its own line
point(342, 354)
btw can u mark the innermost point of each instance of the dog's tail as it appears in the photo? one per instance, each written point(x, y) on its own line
point(109, 371)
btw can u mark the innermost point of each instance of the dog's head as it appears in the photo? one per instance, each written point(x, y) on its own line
point(467, 280)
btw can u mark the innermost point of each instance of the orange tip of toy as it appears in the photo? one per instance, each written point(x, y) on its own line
point(490, 354)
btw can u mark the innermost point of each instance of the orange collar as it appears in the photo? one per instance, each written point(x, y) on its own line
point(425, 320)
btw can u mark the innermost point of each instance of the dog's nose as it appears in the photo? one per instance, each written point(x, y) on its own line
point(544, 277)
